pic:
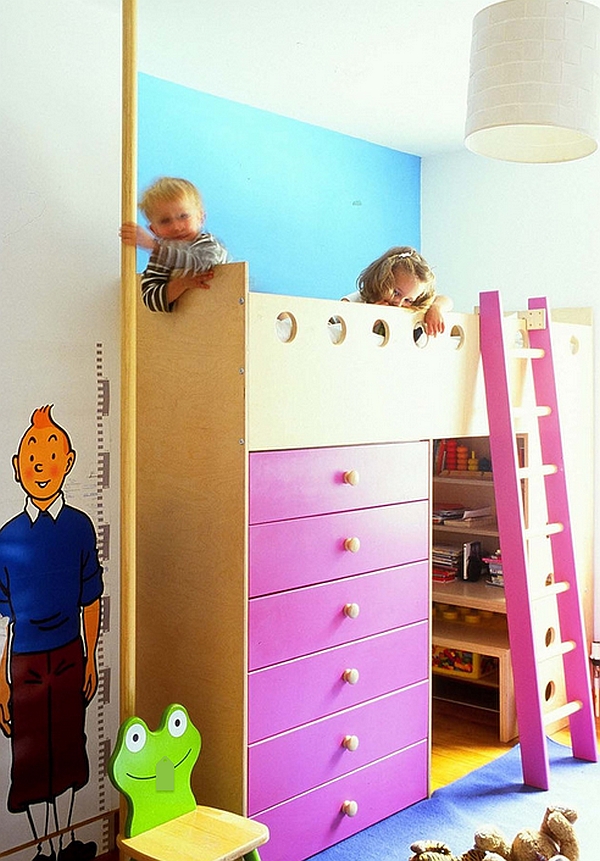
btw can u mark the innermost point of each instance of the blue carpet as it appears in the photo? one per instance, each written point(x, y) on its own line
point(492, 795)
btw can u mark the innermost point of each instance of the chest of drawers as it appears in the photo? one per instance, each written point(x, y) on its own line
point(338, 633)
point(282, 560)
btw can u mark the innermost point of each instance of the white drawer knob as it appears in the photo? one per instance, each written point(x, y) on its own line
point(350, 808)
point(350, 742)
point(352, 544)
point(351, 675)
point(352, 611)
point(351, 477)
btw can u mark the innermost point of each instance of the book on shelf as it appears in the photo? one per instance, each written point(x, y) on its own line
point(443, 575)
point(446, 562)
point(472, 513)
point(458, 512)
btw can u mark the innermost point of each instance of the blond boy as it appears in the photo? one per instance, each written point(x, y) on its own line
point(182, 257)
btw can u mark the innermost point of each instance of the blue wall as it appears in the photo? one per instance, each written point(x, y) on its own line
point(307, 207)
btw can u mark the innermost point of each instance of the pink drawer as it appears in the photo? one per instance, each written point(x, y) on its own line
point(294, 762)
point(299, 691)
point(290, 624)
point(300, 482)
point(295, 553)
point(312, 822)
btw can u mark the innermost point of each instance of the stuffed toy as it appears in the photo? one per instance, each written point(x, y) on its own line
point(555, 841)
point(432, 850)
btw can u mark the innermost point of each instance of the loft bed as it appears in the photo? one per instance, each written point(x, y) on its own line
point(232, 375)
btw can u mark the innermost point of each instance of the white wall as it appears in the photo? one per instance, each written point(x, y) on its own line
point(526, 230)
point(59, 325)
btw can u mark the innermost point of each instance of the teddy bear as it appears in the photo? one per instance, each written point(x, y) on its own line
point(432, 850)
point(555, 841)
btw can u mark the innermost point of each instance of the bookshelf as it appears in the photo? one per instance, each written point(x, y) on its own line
point(470, 616)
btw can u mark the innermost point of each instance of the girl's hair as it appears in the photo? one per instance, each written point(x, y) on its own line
point(169, 188)
point(376, 282)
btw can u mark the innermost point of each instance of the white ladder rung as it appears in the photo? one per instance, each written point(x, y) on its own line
point(535, 412)
point(546, 530)
point(527, 353)
point(557, 650)
point(562, 711)
point(552, 589)
point(544, 469)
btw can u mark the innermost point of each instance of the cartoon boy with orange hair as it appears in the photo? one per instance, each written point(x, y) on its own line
point(50, 588)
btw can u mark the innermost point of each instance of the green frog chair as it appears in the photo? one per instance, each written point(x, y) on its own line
point(164, 823)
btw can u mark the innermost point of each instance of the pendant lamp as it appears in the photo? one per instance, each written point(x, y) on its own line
point(534, 84)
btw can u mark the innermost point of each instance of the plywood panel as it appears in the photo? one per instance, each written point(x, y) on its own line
point(191, 480)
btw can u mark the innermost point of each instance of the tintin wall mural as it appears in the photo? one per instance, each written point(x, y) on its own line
point(58, 703)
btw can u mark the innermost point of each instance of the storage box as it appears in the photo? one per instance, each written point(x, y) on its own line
point(457, 662)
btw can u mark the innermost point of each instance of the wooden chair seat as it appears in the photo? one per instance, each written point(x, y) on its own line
point(152, 769)
point(205, 834)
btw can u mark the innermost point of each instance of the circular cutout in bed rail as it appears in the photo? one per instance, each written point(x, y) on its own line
point(286, 327)
point(336, 326)
point(381, 330)
point(457, 337)
point(420, 336)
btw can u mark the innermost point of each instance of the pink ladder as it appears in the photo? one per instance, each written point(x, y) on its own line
point(545, 623)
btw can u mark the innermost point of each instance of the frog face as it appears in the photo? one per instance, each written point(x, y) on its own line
point(153, 769)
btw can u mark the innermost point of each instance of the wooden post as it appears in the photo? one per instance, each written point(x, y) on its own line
point(128, 363)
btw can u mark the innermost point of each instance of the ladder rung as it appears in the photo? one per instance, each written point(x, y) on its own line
point(562, 712)
point(557, 650)
point(544, 469)
point(527, 353)
point(520, 412)
point(548, 529)
point(552, 589)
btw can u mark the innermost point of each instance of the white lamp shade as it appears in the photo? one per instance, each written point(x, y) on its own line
point(534, 85)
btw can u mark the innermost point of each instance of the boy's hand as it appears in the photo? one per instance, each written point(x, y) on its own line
point(179, 284)
point(187, 282)
point(133, 235)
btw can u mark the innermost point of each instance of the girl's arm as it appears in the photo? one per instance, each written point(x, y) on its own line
point(433, 318)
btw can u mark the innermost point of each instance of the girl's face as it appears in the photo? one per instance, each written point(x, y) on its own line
point(407, 288)
point(177, 219)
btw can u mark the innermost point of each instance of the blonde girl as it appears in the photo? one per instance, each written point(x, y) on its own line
point(403, 278)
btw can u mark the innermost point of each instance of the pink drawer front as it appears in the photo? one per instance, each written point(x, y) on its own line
point(296, 761)
point(297, 692)
point(312, 822)
point(295, 553)
point(297, 483)
point(294, 623)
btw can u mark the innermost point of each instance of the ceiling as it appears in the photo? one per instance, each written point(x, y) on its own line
point(393, 72)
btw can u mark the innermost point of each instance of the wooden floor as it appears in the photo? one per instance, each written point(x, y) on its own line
point(465, 738)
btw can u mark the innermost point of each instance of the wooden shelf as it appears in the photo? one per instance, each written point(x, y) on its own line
point(463, 593)
point(473, 478)
point(474, 526)
point(484, 639)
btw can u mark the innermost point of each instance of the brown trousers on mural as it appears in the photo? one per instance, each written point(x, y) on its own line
point(47, 725)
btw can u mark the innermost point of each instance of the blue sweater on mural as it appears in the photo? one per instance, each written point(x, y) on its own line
point(49, 570)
